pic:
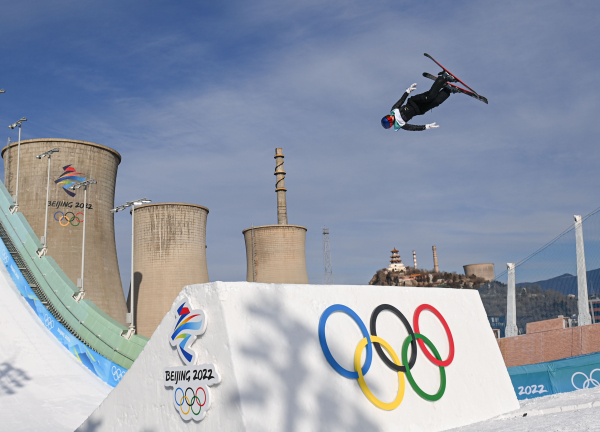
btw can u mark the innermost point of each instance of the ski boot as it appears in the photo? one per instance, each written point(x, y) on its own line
point(447, 77)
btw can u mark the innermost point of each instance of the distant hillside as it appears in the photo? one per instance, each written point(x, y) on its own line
point(567, 283)
point(533, 303)
point(425, 278)
point(536, 301)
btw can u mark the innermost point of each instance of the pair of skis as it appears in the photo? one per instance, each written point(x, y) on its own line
point(469, 92)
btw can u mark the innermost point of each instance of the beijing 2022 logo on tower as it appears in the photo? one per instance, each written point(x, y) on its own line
point(191, 395)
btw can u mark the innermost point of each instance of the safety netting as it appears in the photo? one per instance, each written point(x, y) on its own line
point(546, 280)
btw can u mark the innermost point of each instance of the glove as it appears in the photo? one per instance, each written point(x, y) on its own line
point(411, 88)
point(431, 126)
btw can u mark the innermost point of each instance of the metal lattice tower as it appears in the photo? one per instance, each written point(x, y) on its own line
point(327, 258)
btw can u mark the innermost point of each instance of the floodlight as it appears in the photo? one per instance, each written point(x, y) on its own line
point(48, 153)
point(17, 123)
point(82, 184)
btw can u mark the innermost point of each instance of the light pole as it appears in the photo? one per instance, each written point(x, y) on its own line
point(15, 206)
point(131, 204)
point(41, 252)
point(85, 185)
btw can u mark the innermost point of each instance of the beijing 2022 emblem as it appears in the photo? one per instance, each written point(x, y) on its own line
point(191, 395)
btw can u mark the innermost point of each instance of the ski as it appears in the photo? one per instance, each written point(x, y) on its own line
point(436, 62)
point(460, 89)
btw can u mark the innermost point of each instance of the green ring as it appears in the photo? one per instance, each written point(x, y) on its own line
point(192, 405)
point(411, 380)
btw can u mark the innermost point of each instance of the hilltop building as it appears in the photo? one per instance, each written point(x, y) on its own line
point(396, 263)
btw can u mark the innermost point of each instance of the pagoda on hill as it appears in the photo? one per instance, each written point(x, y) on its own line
point(396, 263)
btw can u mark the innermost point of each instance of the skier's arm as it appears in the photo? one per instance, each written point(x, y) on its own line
point(400, 102)
point(410, 127)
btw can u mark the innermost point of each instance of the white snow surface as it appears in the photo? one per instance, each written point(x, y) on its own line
point(574, 411)
point(263, 339)
point(43, 387)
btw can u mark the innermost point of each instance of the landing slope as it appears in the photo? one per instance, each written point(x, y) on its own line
point(43, 387)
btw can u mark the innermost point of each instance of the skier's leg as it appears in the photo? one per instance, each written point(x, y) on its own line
point(429, 96)
point(438, 84)
point(440, 98)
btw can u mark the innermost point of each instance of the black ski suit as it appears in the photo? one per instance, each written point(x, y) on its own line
point(421, 103)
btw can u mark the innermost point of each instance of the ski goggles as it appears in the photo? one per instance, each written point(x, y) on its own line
point(388, 121)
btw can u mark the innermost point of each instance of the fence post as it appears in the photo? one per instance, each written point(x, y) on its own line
point(584, 317)
point(511, 304)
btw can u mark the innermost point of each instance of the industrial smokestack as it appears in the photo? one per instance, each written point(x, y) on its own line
point(276, 253)
point(280, 188)
point(415, 258)
point(436, 268)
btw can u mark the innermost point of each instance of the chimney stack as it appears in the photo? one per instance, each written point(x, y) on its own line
point(436, 268)
point(276, 253)
point(280, 188)
point(415, 258)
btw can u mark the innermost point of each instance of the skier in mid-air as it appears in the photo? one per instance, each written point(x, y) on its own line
point(419, 104)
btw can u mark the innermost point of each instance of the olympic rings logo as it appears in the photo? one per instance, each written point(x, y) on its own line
point(4, 256)
point(588, 381)
point(117, 373)
point(190, 402)
point(401, 367)
point(48, 321)
point(68, 220)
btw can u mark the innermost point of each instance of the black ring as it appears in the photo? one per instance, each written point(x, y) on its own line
point(413, 342)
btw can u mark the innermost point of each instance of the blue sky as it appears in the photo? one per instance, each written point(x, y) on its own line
point(208, 90)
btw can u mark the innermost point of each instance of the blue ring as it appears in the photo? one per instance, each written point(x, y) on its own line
point(335, 365)
point(179, 388)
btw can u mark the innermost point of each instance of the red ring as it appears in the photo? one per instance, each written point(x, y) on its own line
point(200, 388)
point(424, 348)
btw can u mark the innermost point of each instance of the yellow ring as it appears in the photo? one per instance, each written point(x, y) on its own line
point(361, 379)
point(64, 217)
point(187, 403)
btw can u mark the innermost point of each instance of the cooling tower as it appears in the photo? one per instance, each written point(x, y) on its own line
point(75, 161)
point(169, 253)
point(485, 270)
point(276, 253)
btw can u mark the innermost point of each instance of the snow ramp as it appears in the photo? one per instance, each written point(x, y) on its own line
point(239, 356)
point(60, 357)
point(43, 387)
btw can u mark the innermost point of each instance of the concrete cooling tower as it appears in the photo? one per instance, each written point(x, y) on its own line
point(75, 161)
point(485, 270)
point(276, 253)
point(169, 253)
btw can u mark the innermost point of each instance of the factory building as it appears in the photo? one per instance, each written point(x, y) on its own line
point(276, 253)
point(75, 161)
point(485, 270)
point(169, 253)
